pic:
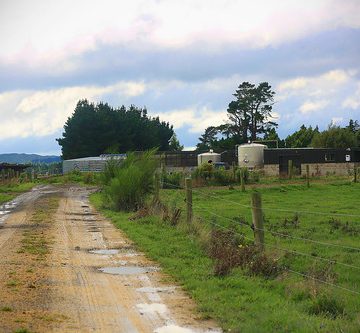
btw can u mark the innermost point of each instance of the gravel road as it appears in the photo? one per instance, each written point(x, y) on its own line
point(89, 278)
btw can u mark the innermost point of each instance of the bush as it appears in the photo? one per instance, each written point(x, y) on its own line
point(245, 170)
point(132, 182)
point(174, 178)
point(222, 177)
point(108, 172)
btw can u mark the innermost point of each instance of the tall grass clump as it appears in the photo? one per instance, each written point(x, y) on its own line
point(128, 184)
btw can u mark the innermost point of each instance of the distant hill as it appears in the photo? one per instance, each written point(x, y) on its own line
point(26, 158)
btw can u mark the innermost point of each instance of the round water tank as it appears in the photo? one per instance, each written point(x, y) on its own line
point(209, 157)
point(251, 155)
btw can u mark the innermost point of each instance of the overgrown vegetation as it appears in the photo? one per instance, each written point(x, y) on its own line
point(128, 184)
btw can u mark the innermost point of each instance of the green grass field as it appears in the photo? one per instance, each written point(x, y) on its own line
point(245, 302)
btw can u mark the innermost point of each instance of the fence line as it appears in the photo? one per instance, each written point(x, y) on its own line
point(266, 230)
point(288, 269)
point(287, 250)
point(267, 208)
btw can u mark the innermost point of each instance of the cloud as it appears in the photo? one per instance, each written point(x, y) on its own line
point(353, 101)
point(335, 120)
point(313, 106)
point(320, 85)
point(196, 119)
point(43, 32)
point(42, 113)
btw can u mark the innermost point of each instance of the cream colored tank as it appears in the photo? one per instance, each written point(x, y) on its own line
point(251, 155)
point(209, 157)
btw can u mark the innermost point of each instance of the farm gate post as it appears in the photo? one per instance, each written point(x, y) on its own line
point(258, 220)
point(188, 189)
point(233, 171)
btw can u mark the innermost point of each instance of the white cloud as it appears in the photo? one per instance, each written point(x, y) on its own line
point(197, 119)
point(40, 113)
point(41, 31)
point(313, 106)
point(322, 85)
point(336, 120)
point(353, 101)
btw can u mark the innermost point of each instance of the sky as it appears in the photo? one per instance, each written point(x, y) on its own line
point(183, 60)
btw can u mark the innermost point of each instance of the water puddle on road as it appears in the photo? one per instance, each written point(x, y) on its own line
point(6, 209)
point(105, 252)
point(128, 270)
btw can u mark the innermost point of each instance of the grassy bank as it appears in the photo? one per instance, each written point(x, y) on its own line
point(250, 302)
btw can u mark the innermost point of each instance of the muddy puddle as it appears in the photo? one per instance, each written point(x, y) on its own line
point(105, 252)
point(113, 251)
point(127, 270)
point(6, 209)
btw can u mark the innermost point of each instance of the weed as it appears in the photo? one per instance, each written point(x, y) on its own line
point(12, 284)
point(22, 330)
point(6, 309)
point(327, 305)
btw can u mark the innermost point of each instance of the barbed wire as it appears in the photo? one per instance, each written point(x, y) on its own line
point(288, 250)
point(288, 269)
point(275, 232)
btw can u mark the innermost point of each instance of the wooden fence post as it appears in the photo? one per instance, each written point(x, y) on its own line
point(157, 188)
point(242, 179)
point(258, 220)
point(355, 173)
point(189, 210)
point(307, 175)
point(290, 169)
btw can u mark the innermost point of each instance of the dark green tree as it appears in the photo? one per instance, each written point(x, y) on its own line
point(175, 144)
point(271, 134)
point(334, 137)
point(301, 138)
point(353, 126)
point(207, 139)
point(96, 129)
point(250, 113)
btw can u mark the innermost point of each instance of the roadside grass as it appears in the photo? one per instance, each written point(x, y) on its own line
point(6, 197)
point(241, 301)
point(16, 187)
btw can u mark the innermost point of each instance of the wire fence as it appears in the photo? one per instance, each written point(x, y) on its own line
point(287, 250)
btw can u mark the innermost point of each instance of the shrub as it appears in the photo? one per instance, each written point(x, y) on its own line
point(174, 178)
point(108, 172)
point(254, 176)
point(245, 171)
point(222, 177)
point(132, 182)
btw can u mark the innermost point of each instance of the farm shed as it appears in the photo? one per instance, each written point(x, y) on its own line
point(90, 164)
point(320, 160)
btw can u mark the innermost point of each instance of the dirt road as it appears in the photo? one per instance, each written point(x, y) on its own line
point(65, 268)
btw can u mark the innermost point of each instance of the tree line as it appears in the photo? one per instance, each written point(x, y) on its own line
point(94, 129)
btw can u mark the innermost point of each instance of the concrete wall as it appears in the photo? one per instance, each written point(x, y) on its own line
point(316, 169)
point(322, 169)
